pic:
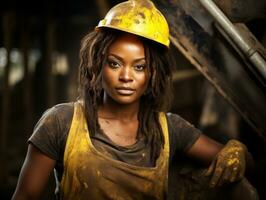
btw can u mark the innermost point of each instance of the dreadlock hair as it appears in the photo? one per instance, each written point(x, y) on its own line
point(157, 98)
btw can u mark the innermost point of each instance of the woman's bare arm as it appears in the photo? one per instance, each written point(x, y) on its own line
point(204, 150)
point(34, 175)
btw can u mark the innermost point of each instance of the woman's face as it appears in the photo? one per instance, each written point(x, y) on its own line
point(125, 74)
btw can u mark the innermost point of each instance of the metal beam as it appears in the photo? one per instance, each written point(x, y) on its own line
point(254, 56)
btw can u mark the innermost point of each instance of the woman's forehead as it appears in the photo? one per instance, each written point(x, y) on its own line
point(127, 44)
point(127, 39)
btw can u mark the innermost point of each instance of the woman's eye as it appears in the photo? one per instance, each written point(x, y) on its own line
point(140, 67)
point(113, 64)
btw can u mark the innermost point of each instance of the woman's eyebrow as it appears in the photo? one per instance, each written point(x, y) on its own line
point(120, 58)
point(115, 56)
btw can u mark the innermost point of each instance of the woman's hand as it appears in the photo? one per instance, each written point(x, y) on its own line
point(229, 164)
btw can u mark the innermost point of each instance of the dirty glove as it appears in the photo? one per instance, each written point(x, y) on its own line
point(229, 164)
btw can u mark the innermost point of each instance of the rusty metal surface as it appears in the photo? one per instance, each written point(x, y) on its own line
point(202, 44)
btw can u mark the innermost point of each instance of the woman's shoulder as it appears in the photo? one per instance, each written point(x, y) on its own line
point(182, 134)
point(174, 118)
point(59, 113)
point(55, 120)
point(61, 109)
point(59, 116)
point(178, 121)
point(50, 133)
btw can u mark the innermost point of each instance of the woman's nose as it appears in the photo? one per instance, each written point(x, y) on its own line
point(125, 74)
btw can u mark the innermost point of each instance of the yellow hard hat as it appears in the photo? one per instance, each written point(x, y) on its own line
point(139, 17)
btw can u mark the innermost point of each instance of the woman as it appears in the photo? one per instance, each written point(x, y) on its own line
point(116, 142)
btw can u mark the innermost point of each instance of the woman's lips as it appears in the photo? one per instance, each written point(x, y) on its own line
point(125, 91)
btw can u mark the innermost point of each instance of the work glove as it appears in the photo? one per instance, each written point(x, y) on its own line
point(229, 164)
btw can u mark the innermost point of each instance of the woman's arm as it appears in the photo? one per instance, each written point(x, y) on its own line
point(204, 150)
point(228, 162)
point(34, 175)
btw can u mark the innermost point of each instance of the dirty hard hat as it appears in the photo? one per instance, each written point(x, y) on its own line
point(139, 17)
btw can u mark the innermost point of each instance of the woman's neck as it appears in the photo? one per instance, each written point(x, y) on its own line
point(123, 112)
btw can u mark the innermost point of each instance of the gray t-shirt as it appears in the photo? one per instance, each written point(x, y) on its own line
point(51, 131)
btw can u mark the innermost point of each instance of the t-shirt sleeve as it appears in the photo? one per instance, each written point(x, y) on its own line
point(50, 133)
point(182, 134)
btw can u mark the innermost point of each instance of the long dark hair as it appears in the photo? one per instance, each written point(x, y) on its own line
point(93, 55)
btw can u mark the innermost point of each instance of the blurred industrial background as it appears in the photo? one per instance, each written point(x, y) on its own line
point(217, 86)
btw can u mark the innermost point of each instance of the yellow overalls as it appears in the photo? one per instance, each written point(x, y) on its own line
point(89, 174)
